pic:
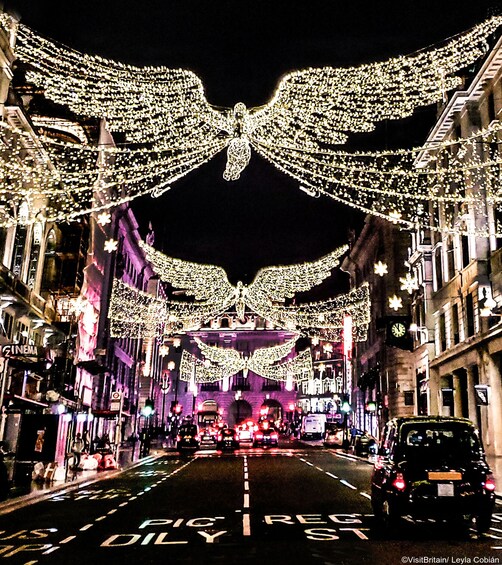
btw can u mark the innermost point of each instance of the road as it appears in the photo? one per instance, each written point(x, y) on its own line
point(290, 505)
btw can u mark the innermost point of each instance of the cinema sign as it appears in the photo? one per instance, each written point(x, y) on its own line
point(22, 350)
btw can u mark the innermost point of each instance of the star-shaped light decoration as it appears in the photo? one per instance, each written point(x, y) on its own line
point(104, 218)
point(395, 302)
point(163, 350)
point(395, 216)
point(111, 245)
point(409, 283)
point(381, 268)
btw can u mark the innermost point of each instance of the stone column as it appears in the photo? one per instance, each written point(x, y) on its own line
point(471, 397)
point(492, 422)
point(434, 393)
point(457, 395)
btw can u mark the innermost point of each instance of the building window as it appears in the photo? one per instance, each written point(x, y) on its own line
point(240, 383)
point(450, 255)
point(19, 243)
point(465, 250)
point(442, 332)
point(454, 323)
point(469, 312)
point(438, 264)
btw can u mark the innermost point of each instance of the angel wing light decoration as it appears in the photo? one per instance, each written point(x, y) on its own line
point(209, 283)
point(166, 108)
point(195, 370)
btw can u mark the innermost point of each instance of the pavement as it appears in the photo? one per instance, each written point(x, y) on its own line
point(36, 490)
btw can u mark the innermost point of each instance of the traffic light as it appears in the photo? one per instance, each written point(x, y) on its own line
point(345, 404)
point(149, 408)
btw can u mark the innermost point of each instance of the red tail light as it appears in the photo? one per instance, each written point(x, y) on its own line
point(178, 438)
point(259, 436)
point(490, 483)
point(220, 437)
point(274, 436)
point(399, 483)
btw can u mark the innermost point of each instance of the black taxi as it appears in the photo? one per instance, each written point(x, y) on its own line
point(432, 467)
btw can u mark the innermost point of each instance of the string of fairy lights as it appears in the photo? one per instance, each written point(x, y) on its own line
point(235, 361)
point(172, 128)
point(271, 285)
point(388, 185)
point(136, 313)
point(194, 370)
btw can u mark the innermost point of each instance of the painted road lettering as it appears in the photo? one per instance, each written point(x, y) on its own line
point(345, 525)
point(164, 538)
point(312, 519)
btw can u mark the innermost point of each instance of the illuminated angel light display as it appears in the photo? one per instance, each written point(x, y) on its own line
point(272, 285)
point(133, 312)
point(165, 114)
point(298, 368)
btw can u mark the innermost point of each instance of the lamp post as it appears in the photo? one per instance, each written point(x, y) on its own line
point(238, 395)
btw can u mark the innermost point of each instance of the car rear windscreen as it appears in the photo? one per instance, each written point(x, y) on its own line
point(438, 443)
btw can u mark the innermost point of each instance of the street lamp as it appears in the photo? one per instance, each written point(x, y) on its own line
point(346, 408)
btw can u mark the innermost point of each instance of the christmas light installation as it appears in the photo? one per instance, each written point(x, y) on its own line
point(311, 111)
point(315, 106)
point(195, 370)
point(234, 361)
point(271, 285)
point(135, 313)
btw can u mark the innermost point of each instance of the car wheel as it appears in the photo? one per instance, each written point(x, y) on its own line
point(483, 522)
point(385, 513)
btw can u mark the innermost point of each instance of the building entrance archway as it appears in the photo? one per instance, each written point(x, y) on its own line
point(239, 411)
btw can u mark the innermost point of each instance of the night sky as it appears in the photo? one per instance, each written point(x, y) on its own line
point(240, 49)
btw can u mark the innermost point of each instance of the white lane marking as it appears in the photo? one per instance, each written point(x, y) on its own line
point(246, 501)
point(365, 494)
point(246, 525)
point(100, 518)
point(112, 511)
point(331, 475)
point(309, 463)
point(348, 484)
point(246, 485)
point(86, 527)
point(51, 550)
point(68, 539)
point(124, 504)
point(246, 476)
point(496, 529)
point(133, 498)
point(319, 469)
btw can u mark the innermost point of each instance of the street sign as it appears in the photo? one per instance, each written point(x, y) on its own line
point(482, 394)
point(115, 401)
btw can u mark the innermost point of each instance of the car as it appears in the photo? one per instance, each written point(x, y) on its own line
point(227, 440)
point(362, 443)
point(187, 439)
point(266, 436)
point(333, 436)
point(245, 432)
point(208, 438)
point(432, 467)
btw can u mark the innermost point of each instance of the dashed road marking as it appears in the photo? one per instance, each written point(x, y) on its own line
point(347, 484)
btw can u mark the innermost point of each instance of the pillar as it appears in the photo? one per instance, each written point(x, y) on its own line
point(457, 396)
point(492, 422)
point(471, 397)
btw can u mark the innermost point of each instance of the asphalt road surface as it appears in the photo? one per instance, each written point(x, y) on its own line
point(291, 505)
